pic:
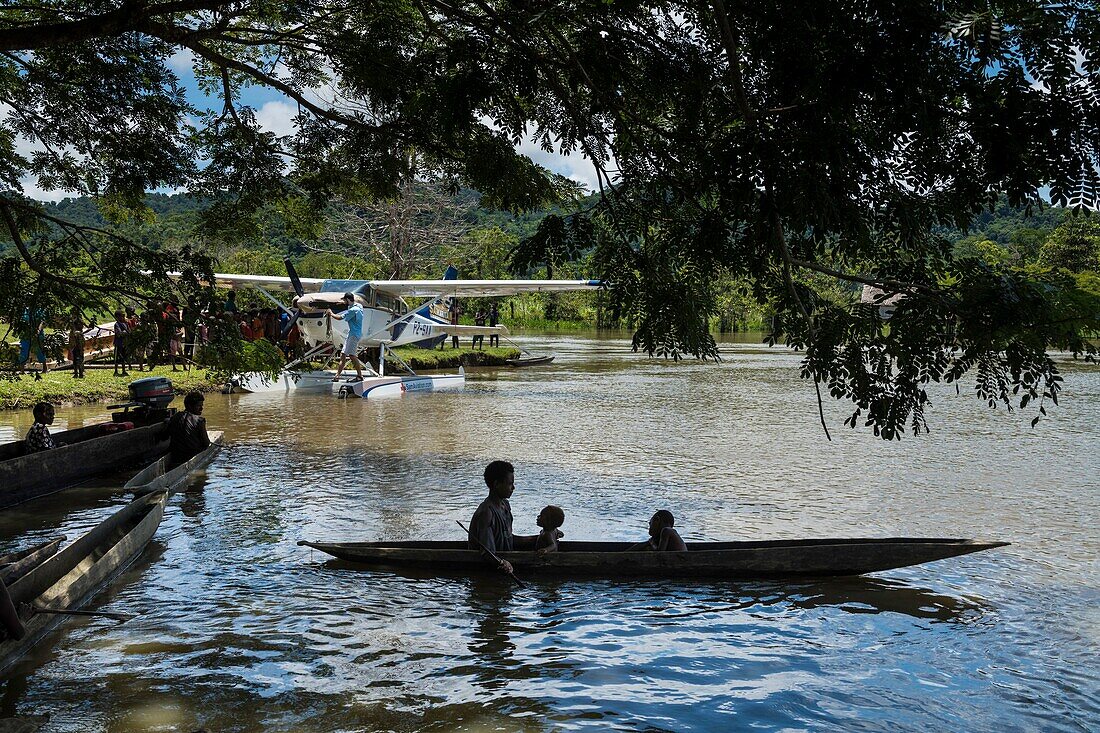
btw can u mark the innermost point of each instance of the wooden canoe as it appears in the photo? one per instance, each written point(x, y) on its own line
point(73, 576)
point(17, 564)
point(733, 560)
point(81, 454)
point(525, 361)
point(158, 477)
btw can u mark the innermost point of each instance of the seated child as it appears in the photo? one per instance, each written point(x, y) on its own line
point(550, 518)
point(662, 536)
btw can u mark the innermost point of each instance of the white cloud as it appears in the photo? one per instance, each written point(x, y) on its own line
point(277, 117)
point(182, 62)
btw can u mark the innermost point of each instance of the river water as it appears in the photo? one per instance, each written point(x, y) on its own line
point(241, 630)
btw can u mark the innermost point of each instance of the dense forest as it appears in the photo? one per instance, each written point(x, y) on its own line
point(421, 232)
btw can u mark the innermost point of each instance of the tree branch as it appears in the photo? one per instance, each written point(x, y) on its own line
point(126, 18)
point(35, 265)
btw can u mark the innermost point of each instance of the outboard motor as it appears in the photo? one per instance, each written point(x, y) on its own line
point(149, 399)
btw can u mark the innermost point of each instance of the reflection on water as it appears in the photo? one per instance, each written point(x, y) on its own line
point(240, 630)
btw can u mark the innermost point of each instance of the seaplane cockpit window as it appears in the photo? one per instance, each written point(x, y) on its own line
point(386, 302)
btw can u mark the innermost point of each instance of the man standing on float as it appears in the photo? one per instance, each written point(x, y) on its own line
point(354, 316)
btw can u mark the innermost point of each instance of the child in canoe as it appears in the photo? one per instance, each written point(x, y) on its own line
point(550, 518)
point(662, 536)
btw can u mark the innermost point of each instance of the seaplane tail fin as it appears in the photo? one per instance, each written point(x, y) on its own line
point(451, 273)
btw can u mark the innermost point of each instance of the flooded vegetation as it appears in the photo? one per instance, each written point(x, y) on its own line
point(241, 630)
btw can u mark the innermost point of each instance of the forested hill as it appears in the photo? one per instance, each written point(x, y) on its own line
point(426, 230)
point(1009, 227)
point(175, 214)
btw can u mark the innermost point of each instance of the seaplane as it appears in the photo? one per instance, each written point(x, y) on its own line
point(388, 322)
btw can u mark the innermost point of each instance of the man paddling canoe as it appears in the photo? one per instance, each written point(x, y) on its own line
point(491, 526)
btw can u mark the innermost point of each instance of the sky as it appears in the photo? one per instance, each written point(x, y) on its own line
point(275, 113)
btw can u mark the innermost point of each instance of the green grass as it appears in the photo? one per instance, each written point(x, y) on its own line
point(98, 385)
point(450, 358)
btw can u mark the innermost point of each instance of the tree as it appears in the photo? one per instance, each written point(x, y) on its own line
point(767, 140)
point(1075, 246)
point(398, 232)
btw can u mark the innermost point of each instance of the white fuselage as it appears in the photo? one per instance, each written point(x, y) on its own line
point(378, 328)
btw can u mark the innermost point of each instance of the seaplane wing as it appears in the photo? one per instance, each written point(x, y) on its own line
point(477, 288)
point(273, 282)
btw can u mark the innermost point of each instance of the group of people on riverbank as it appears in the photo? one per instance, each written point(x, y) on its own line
point(160, 334)
point(490, 528)
point(483, 316)
point(271, 324)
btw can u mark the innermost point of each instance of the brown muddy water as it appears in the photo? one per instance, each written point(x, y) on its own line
point(241, 630)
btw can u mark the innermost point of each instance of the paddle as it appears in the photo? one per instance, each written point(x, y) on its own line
point(120, 617)
point(489, 552)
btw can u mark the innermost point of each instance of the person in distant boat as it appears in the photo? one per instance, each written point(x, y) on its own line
point(9, 616)
point(38, 437)
point(550, 519)
point(491, 525)
point(187, 430)
point(354, 316)
point(662, 536)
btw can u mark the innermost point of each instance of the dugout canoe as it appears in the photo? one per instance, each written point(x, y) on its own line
point(158, 477)
point(526, 361)
point(732, 560)
point(81, 454)
point(71, 578)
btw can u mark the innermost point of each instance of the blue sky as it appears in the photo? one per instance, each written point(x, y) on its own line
point(276, 113)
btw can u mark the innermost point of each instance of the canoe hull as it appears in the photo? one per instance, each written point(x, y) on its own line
point(35, 475)
point(72, 577)
point(730, 560)
point(157, 476)
point(529, 361)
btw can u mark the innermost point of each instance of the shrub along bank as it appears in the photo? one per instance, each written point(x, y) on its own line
point(98, 385)
point(449, 358)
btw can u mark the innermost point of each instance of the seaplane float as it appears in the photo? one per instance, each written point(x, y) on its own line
point(388, 322)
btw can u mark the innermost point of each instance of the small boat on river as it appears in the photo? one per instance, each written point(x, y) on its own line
point(526, 361)
point(158, 477)
point(70, 578)
point(80, 455)
point(727, 560)
point(133, 439)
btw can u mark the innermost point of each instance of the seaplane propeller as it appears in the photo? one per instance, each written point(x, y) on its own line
point(299, 291)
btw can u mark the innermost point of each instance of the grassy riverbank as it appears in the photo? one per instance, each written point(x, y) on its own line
point(450, 358)
point(98, 385)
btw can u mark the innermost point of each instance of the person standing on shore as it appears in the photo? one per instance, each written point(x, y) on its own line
point(478, 341)
point(454, 322)
point(76, 343)
point(494, 320)
point(121, 331)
